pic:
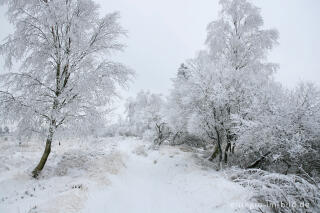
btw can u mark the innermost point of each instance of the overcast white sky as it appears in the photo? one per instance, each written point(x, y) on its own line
point(163, 33)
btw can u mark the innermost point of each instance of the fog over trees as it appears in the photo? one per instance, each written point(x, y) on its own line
point(224, 103)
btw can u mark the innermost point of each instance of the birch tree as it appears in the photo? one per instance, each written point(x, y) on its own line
point(238, 43)
point(226, 80)
point(65, 79)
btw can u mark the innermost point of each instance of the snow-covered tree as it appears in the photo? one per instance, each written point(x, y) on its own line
point(144, 113)
point(238, 43)
point(237, 39)
point(65, 80)
point(285, 135)
point(177, 111)
point(225, 84)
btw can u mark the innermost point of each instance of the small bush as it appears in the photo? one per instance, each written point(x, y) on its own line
point(277, 192)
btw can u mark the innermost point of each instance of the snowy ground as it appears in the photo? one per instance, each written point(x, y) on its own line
point(113, 175)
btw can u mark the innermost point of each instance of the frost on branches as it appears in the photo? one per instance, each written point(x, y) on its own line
point(224, 85)
point(145, 117)
point(227, 97)
point(278, 193)
point(65, 80)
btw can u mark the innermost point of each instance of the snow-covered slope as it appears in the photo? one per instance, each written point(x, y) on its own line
point(113, 175)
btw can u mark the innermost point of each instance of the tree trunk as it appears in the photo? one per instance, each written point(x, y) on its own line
point(226, 152)
point(219, 145)
point(232, 149)
point(218, 149)
point(45, 155)
point(215, 153)
point(175, 137)
point(259, 161)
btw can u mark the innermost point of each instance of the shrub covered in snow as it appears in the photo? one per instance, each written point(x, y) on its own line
point(277, 192)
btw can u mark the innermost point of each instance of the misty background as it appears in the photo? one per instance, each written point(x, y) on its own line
point(163, 34)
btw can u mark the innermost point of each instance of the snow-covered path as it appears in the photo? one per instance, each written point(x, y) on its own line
point(164, 181)
point(113, 175)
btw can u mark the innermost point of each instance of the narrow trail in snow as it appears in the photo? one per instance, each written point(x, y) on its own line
point(164, 181)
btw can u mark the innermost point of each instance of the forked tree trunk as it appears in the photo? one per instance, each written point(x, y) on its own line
point(45, 155)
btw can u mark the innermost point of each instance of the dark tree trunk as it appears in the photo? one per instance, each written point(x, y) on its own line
point(233, 147)
point(177, 135)
point(45, 155)
point(219, 145)
point(288, 167)
point(226, 152)
point(228, 148)
point(257, 163)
